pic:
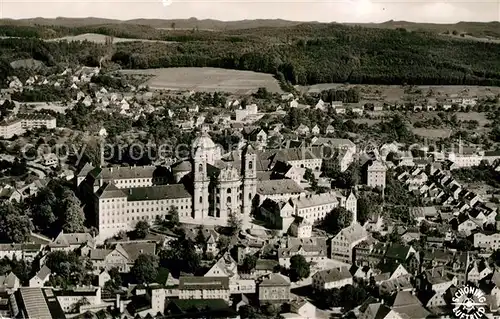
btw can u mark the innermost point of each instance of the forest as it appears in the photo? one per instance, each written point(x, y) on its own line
point(304, 54)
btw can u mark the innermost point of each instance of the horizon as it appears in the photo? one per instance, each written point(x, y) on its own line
point(339, 11)
point(245, 20)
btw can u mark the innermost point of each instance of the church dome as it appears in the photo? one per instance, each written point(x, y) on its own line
point(203, 142)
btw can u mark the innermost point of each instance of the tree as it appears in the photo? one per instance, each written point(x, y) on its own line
point(15, 226)
point(299, 268)
point(224, 242)
point(234, 223)
point(200, 237)
point(180, 256)
point(336, 220)
point(73, 217)
point(141, 229)
point(174, 216)
point(145, 269)
point(249, 263)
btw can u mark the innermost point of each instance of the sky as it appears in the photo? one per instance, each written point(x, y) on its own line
point(361, 11)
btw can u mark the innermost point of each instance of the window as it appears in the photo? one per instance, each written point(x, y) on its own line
point(201, 199)
point(228, 200)
point(200, 168)
point(250, 165)
point(229, 191)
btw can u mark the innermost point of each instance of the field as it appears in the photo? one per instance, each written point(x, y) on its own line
point(432, 133)
point(99, 38)
point(208, 80)
point(395, 93)
point(473, 116)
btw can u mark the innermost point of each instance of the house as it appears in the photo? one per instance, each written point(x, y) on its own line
point(478, 270)
point(435, 279)
point(50, 159)
point(378, 311)
point(122, 256)
point(315, 130)
point(70, 299)
point(274, 288)
point(72, 241)
point(343, 243)
point(9, 193)
point(487, 241)
point(27, 252)
point(300, 228)
point(195, 287)
point(407, 305)
point(301, 309)
point(331, 278)
point(9, 282)
point(226, 266)
point(41, 277)
point(313, 249)
point(330, 129)
point(302, 130)
point(103, 278)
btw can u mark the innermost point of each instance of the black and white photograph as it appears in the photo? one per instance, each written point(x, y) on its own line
point(249, 159)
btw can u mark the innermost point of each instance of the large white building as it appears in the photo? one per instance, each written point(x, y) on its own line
point(345, 241)
point(375, 174)
point(489, 242)
point(37, 120)
point(25, 122)
point(8, 129)
point(209, 193)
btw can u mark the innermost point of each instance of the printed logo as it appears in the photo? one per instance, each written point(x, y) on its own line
point(469, 303)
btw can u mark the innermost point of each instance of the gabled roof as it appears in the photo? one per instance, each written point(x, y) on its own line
point(332, 275)
point(43, 273)
point(9, 281)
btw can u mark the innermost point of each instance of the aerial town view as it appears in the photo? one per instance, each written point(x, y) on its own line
point(162, 167)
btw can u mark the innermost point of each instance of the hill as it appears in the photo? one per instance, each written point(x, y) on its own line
point(478, 29)
point(205, 24)
point(305, 54)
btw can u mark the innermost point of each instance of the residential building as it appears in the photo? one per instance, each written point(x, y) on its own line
point(70, 298)
point(227, 267)
point(375, 174)
point(72, 241)
point(41, 277)
point(195, 287)
point(122, 256)
point(27, 252)
point(343, 243)
point(331, 278)
point(274, 288)
point(11, 128)
point(314, 250)
point(314, 207)
point(487, 241)
point(37, 120)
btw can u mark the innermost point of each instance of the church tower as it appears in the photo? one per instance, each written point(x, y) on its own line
point(200, 185)
point(249, 165)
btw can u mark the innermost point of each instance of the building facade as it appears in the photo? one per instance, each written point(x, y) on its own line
point(209, 194)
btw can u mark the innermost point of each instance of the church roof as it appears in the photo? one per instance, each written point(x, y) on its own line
point(279, 186)
point(203, 141)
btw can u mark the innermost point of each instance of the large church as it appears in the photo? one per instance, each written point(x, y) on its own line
point(206, 189)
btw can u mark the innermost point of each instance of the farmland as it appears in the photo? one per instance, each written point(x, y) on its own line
point(208, 80)
point(100, 39)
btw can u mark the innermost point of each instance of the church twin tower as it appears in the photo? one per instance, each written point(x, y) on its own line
point(222, 190)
